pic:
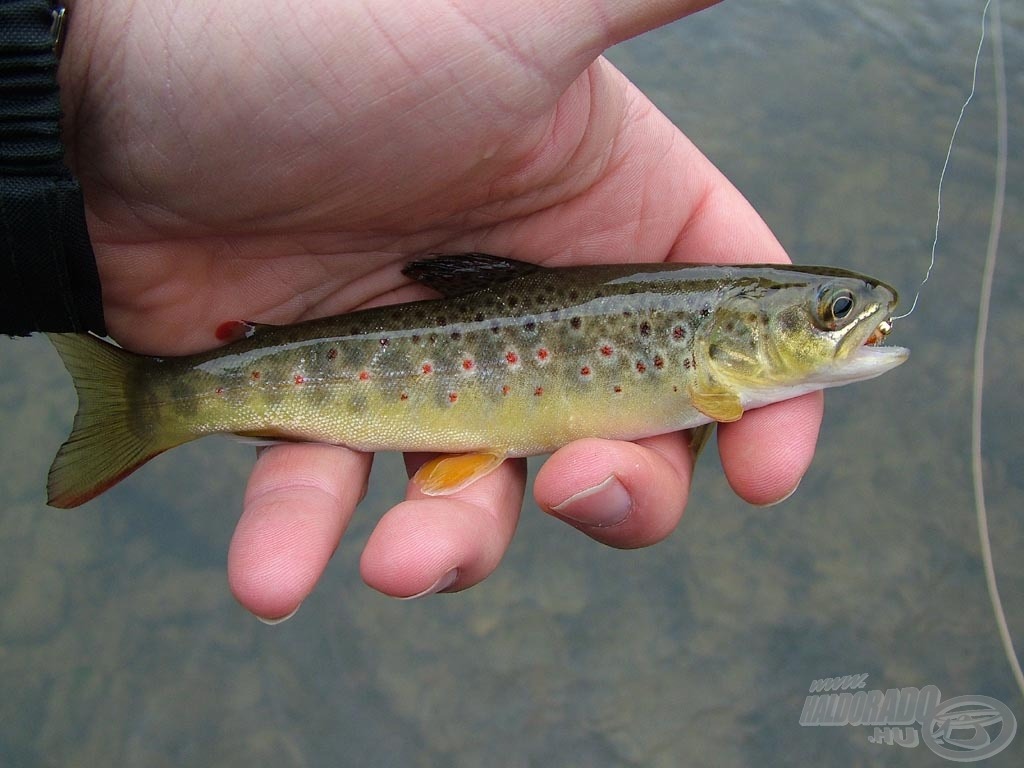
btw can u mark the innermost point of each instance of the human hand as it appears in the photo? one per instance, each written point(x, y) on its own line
point(278, 161)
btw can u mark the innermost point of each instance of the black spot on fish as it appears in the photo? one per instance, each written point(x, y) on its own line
point(384, 342)
point(576, 323)
point(705, 310)
point(513, 301)
point(645, 328)
point(415, 338)
point(456, 335)
point(479, 317)
point(495, 329)
point(530, 327)
point(442, 321)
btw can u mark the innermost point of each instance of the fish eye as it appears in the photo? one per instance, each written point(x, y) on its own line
point(834, 306)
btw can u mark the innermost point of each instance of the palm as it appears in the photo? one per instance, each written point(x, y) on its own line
point(228, 180)
point(243, 193)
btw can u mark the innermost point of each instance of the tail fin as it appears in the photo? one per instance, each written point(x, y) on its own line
point(108, 441)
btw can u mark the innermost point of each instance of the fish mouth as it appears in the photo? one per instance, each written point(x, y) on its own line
point(863, 354)
point(870, 357)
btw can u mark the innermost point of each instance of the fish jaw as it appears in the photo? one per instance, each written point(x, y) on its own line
point(864, 363)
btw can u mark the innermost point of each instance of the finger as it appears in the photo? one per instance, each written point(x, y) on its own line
point(622, 494)
point(766, 453)
point(430, 544)
point(298, 502)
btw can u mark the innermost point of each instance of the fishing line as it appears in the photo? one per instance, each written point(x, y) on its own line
point(995, 227)
point(945, 164)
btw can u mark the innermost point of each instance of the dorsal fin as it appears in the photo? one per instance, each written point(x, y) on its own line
point(461, 273)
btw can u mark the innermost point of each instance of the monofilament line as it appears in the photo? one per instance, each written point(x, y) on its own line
point(945, 164)
point(995, 227)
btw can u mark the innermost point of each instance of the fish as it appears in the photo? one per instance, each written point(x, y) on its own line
point(514, 359)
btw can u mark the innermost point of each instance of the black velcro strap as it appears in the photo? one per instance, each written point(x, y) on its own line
point(48, 278)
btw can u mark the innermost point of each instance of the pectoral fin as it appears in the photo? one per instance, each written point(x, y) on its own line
point(447, 474)
point(719, 404)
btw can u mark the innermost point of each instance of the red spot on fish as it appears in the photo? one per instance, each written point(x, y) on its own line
point(219, 390)
point(505, 389)
point(585, 370)
point(404, 396)
point(640, 367)
point(299, 380)
point(467, 364)
point(332, 353)
point(542, 354)
point(679, 333)
point(364, 375)
point(233, 330)
point(453, 396)
point(256, 375)
point(512, 358)
point(618, 389)
point(607, 350)
point(659, 362)
point(538, 391)
point(427, 368)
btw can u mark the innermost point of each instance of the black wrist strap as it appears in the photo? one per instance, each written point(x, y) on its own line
point(48, 278)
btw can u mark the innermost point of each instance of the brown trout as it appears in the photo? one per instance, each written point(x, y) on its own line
point(514, 360)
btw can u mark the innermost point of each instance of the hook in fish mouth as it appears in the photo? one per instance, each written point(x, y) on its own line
point(878, 335)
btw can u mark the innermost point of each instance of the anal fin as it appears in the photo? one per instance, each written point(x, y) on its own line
point(446, 474)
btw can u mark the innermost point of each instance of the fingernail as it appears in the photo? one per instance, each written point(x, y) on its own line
point(779, 501)
point(438, 586)
point(605, 504)
point(281, 619)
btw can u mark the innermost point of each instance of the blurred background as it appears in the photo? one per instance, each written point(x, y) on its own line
point(120, 643)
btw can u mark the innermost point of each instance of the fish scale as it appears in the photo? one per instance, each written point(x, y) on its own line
point(514, 360)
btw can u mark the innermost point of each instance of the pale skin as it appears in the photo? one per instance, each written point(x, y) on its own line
point(280, 161)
